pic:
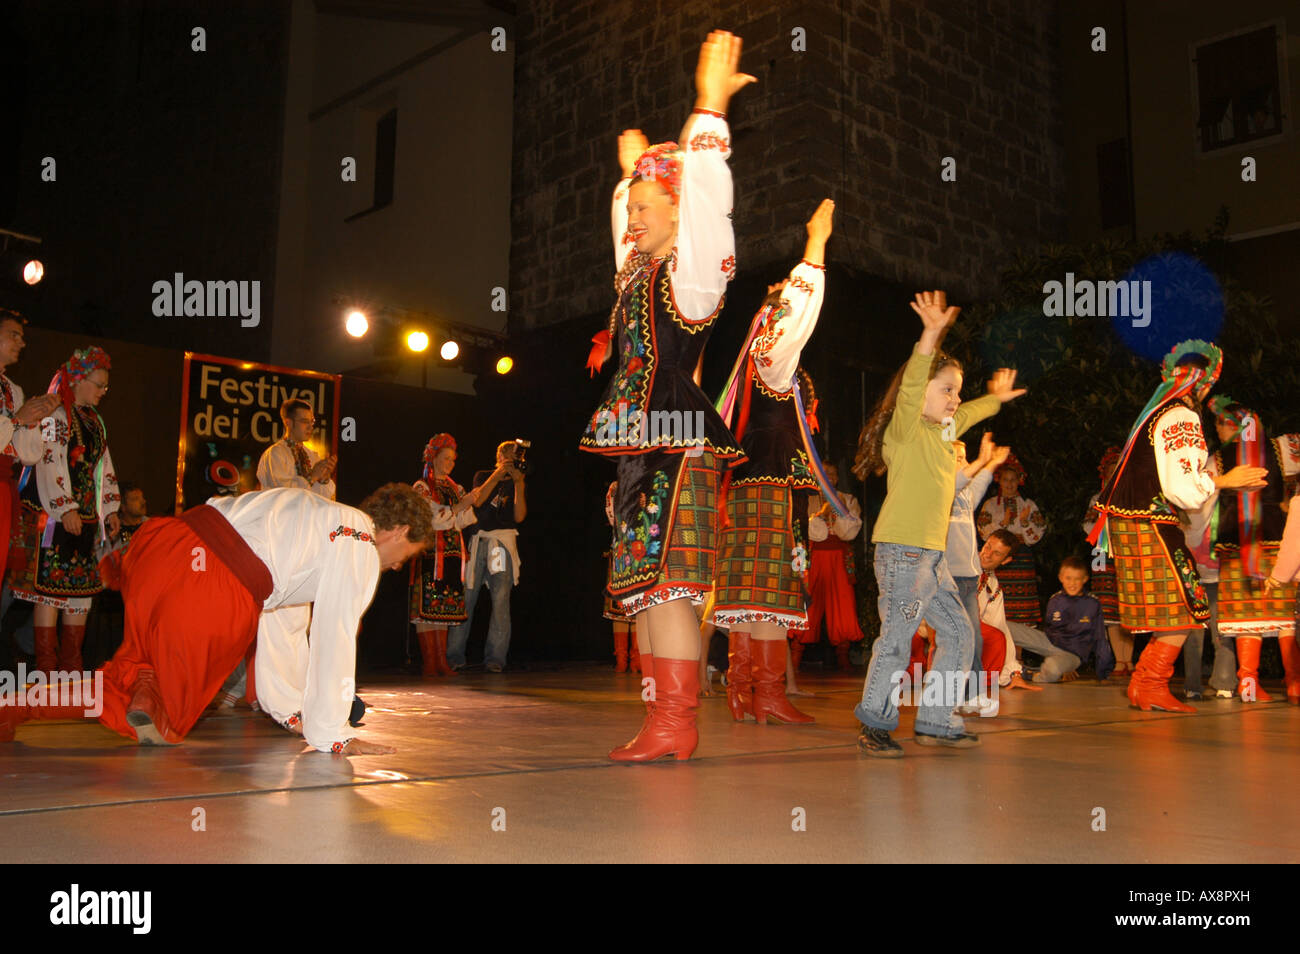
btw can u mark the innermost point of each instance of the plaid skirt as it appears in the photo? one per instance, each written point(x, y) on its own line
point(1246, 608)
point(1159, 589)
point(665, 515)
point(757, 577)
point(1105, 587)
point(1019, 579)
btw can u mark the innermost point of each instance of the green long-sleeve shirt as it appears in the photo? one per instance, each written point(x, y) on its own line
point(922, 465)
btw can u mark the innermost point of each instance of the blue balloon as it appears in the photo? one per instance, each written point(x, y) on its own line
point(1184, 301)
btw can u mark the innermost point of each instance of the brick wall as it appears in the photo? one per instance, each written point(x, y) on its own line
point(883, 92)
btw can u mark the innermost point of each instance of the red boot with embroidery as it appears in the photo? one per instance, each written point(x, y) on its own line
point(670, 726)
point(1149, 687)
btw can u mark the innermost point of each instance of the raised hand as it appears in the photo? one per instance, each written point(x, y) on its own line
point(1003, 385)
point(999, 457)
point(933, 308)
point(632, 145)
point(819, 226)
point(986, 448)
point(716, 76)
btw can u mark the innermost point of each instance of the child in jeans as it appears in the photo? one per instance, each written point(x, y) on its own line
point(910, 436)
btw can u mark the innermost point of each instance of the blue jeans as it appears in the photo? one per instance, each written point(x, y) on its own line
point(968, 588)
point(915, 585)
point(499, 586)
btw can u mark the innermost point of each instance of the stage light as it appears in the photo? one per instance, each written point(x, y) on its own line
point(357, 324)
point(504, 364)
point(417, 341)
point(33, 272)
point(449, 350)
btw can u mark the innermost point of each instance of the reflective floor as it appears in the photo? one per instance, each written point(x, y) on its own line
point(512, 768)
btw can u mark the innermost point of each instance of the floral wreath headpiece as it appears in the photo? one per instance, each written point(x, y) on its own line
point(1169, 367)
point(1012, 463)
point(662, 163)
point(1108, 462)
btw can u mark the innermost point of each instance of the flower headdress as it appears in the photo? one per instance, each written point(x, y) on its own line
point(662, 163)
point(83, 363)
point(1108, 462)
point(436, 443)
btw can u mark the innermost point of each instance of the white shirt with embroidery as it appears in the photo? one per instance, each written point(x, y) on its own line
point(706, 245)
point(278, 468)
point(320, 552)
point(777, 348)
point(55, 483)
point(846, 528)
point(1182, 458)
point(1022, 516)
point(993, 610)
point(23, 442)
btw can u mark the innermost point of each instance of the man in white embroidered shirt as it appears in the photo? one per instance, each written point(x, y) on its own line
point(195, 585)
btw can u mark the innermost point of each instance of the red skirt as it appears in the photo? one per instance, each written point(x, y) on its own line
point(190, 625)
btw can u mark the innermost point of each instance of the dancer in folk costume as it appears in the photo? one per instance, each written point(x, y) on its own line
point(195, 585)
point(831, 573)
point(1161, 470)
point(1008, 510)
point(675, 253)
point(20, 434)
point(763, 554)
point(1104, 585)
point(75, 492)
point(622, 624)
point(1246, 536)
point(437, 577)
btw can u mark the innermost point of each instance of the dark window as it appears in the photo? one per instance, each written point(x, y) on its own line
point(1112, 183)
point(385, 158)
point(1238, 89)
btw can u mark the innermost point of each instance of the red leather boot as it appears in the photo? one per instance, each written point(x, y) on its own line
point(740, 682)
point(1248, 687)
point(770, 701)
point(634, 654)
point(70, 647)
point(47, 647)
point(1149, 687)
point(428, 652)
point(620, 650)
point(440, 653)
point(1291, 666)
point(146, 714)
point(842, 657)
point(670, 727)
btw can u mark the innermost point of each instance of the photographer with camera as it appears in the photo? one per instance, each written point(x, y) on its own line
point(499, 504)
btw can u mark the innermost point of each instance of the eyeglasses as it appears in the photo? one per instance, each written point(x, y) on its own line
point(102, 388)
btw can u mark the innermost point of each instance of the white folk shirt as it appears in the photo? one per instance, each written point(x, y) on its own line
point(777, 348)
point(317, 552)
point(846, 528)
point(1182, 458)
point(993, 610)
point(55, 483)
point(278, 468)
point(17, 440)
point(706, 245)
point(1023, 518)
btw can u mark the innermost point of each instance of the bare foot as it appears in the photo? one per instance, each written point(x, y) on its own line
point(1019, 683)
point(1069, 676)
point(796, 691)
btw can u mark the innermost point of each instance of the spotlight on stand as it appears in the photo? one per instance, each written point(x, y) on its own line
point(417, 341)
point(505, 364)
point(33, 271)
point(449, 350)
point(356, 324)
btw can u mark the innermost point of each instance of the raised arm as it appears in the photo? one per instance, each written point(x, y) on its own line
point(777, 350)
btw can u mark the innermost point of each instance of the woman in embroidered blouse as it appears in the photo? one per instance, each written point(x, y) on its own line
point(1007, 510)
point(674, 254)
point(77, 490)
point(437, 577)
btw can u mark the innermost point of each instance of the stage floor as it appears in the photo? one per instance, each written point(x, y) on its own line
point(526, 751)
